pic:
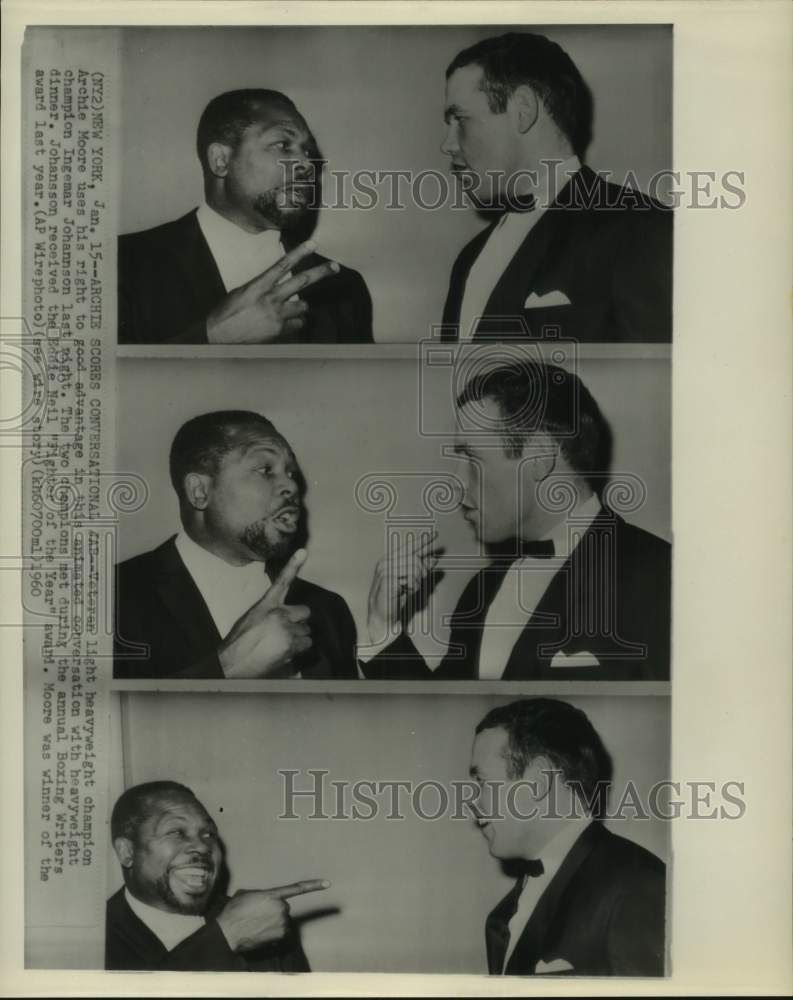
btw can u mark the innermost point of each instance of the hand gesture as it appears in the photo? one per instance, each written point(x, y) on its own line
point(252, 918)
point(263, 642)
point(261, 310)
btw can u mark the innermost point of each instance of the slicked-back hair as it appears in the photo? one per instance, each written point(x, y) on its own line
point(534, 397)
point(134, 805)
point(228, 115)
point(521, 58)
point(545, 727)
point(201, 443)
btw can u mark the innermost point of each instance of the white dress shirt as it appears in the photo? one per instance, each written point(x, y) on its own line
point(239, 255)
point(503, 243)
point(170, 928)
point(523, 587)
point(227, 590)
point(552, 857)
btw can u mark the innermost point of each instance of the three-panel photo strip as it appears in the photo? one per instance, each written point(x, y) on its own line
point(392, 630)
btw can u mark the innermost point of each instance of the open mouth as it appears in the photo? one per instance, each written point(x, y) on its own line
point(195, 879)
point(286, 519)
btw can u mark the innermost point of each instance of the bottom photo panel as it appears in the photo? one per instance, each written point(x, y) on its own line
point(476, 834)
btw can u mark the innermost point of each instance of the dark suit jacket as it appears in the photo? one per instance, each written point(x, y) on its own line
point(168, 283)
point(611, 598)
point(603, 913)
point(159, 605)
point(131, 946)
point(613, 264)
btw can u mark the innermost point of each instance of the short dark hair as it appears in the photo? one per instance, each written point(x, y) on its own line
point(201, 443)
point(133, 806)
point(520, 58)
point(546, 727)
point(532, 397)
point(228, 115)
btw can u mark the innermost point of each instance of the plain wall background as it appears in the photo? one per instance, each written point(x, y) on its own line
point(347, 424)
point(410, 895)
point(374, 98)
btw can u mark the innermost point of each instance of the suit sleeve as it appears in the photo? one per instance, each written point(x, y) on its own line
point(205, 951)
point(399, 661)
point(642, 278)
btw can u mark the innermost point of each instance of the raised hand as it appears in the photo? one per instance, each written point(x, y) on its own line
point(397, 578)
point(261, 310)
point(263, 641)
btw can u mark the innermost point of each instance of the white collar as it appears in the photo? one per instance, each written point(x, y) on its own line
point(170, 928)
point(205, 566)
point(217, 227)
point(238, 254)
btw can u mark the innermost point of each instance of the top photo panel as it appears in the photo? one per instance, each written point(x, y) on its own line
point(360, 185)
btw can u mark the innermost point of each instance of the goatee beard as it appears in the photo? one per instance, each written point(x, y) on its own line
point(280, 218)
point(194, 908)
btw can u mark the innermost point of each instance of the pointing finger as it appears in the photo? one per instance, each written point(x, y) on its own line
point(298, 888)
point(272, 276)
point(276, 594)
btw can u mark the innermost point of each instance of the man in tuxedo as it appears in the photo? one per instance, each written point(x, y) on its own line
point(221, 274)
point(565, 251)
point(172, 914)
point(586, 902)
point(222, 598)
point(575, 593)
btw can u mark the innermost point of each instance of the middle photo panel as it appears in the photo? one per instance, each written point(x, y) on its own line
point(485, 513)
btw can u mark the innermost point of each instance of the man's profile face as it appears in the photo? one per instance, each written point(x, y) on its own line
point(495, 501)
point(270, 176)
point(484, 147)
point(254, 504)
point(174, 861)
point(498, 812)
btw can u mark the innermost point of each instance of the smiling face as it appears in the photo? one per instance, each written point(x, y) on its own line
point(268, 178)
point(174, 860)
point(252, 506)
point(507, 834)
point(485, 147)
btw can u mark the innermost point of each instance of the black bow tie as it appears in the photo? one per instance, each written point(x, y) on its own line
point(519, 868)
point(519, 548)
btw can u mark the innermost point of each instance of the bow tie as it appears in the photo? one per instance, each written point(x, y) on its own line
point(518, 868)
point(519, 548)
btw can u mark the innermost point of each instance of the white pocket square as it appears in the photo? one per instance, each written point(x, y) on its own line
point(535, 301)
point(555, 966)
point(580, 659)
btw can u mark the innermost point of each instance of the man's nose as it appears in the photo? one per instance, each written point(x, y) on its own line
point(198, 845)
point(450, 146)
point(287, 487)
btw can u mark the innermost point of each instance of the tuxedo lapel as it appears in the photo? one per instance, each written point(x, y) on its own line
point(459, 276)
point(548, 917)
point(461, 661)
point(137, 937)
point(193, 260)
point(497, 929)
point(182, 599)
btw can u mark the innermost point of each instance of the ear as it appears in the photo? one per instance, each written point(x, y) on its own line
point(197, 490)
point(125, 851)
point(544, 456)
point(526, 107)
point(218, 158)
point(542, 774)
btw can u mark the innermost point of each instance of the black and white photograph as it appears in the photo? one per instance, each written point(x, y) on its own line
point(395, 440)
point(471, 834)
point(303, 185)
point(499, 518)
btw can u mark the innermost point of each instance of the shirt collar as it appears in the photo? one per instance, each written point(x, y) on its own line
point(219, 230)
point(170, 928)
point(205, 567)
point(557, 849)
